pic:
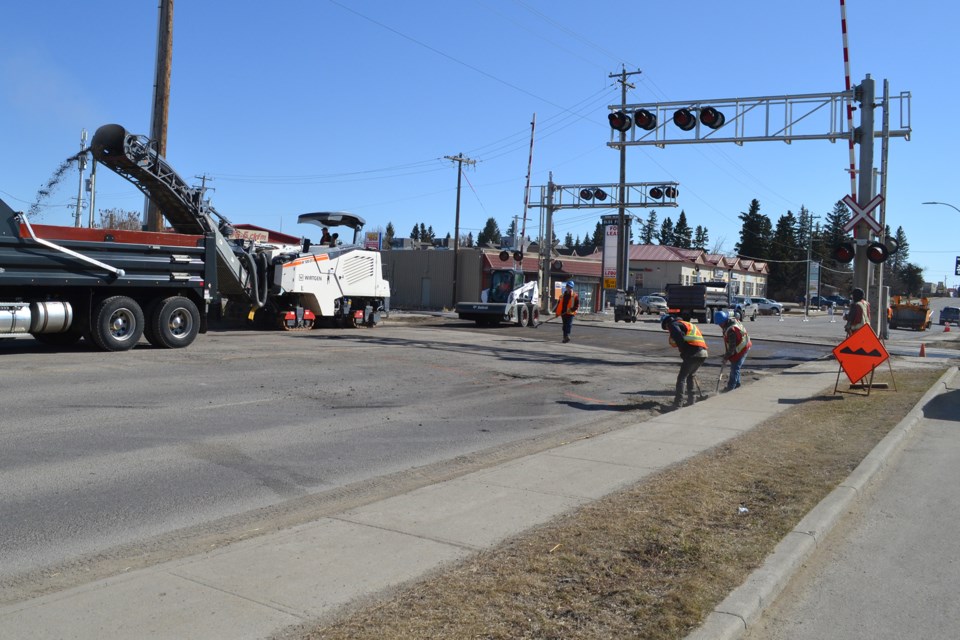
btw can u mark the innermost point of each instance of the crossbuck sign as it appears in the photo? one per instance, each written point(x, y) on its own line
point(862, 213)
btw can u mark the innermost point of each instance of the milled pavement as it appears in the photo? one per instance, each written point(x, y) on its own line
point(256, 588)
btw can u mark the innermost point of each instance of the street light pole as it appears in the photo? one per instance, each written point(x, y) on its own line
point(946, 204)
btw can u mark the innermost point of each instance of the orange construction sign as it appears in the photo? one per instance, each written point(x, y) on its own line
point(860, 354)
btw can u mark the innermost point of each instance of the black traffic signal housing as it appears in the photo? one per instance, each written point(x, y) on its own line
point(645, 119)
point(684, 119)
point(591, 193)
point(712, 118)
point(878, 252)
point(620, 121)
point(844, 251)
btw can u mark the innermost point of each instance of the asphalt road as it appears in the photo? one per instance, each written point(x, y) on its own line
point(112, 459)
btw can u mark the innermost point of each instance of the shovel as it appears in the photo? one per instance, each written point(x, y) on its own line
point(723, 363)
point(552, 318)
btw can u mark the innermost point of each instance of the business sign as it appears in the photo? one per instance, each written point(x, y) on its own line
point(860, 354)
point(610, 256)
point(251, 234)
point(956, 268)
point(372, 240)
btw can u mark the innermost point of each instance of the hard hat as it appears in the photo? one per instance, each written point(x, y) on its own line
point(721, 318)
point(570, 284)
point(857, 294)
point(666, 320)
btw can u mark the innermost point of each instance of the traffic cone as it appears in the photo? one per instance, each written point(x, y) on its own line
point(946, 327)
point(923, 350)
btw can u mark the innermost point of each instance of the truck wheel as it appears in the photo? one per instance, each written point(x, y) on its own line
point(173, 323)
point(535, 317)
point(524, 316)
point(117, 324)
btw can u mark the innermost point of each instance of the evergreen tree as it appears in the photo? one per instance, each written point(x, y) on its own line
point(700, 238)
point(490, 234)
point(682, 233)
point(787, 261)
point(665, 235)
point(756, 233)
point(388, 236)
point(648, 232)
point(415, 233)
point(469, 240)
point(599, 233)
point(568, 241)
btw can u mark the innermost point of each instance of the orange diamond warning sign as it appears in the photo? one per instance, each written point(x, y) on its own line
point(860, 354)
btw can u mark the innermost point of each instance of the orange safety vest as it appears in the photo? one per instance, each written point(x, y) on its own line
point(691, 336)
point(743, 340)
point(568, 305)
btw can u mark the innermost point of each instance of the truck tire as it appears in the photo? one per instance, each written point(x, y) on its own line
point(523, 316)
point(173, 323)
point(535, 317)
point(117, 323)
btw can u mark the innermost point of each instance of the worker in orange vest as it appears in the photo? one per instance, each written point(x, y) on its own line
point(859, 313)
point(566, 308)
point(693, 351)
point(736, 344)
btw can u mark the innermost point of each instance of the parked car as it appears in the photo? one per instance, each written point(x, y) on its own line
point(745, 307)
point(839, 301)
point(768, 307)
point(653, 305)
point(821, 301)
point(950, 314)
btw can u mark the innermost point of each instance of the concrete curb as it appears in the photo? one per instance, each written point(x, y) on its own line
point(741, 609)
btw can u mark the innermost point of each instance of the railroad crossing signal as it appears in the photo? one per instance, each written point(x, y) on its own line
point(862, 213)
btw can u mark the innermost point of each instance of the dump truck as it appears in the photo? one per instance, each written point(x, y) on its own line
point(61, 284)
point(698, 301)
point(508, 299)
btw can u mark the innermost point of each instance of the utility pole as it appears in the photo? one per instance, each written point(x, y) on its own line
point(546, 249)
point(864, 135)
point(203, 184)
point(161, 99)
point(81, 164)
point(622, 241)
point(460, 159)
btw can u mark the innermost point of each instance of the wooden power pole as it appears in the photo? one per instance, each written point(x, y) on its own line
point(161, 99)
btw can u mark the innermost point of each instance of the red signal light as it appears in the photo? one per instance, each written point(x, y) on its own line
point(712, 118)
point(619, 121)
point(844, 252)
point(684, 119)
point(600, 194)
point(645, 119)
point(671, 192)
point(877, 253)
point(656, 193)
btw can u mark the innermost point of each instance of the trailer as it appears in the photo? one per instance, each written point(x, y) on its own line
point(61, 284)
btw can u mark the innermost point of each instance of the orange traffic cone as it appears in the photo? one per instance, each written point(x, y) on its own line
point(923, 350)
point(946, 327)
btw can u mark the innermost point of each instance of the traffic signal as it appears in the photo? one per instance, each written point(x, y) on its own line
point(620, 121)
point(645, 119)
point(504, 255)
point(591, 193)
point(709, 117)
point(712, 118)
point(684, 119)
point(844, 252)
point(656, 193)
point(878, 252)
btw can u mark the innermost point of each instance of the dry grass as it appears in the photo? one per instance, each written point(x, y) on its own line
point(654, 560)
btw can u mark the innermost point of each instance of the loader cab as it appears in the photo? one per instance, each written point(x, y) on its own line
point(502, 283)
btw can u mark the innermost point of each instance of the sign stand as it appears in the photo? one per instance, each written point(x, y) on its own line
point(859, 355)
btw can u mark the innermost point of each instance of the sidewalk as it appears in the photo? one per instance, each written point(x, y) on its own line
point(258, 587)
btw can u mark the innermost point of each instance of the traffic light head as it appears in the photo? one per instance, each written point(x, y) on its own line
point(620, 121)
point(877, 253)
point(844, 252)
point(712, 118)
point(645, 119)
point(656, 193)
point(594, 192)
point(684, 119)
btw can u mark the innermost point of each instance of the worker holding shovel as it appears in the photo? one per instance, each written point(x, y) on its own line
point(736, 344)
point(689, 341)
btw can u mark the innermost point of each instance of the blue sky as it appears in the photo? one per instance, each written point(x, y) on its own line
point(308, 105)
